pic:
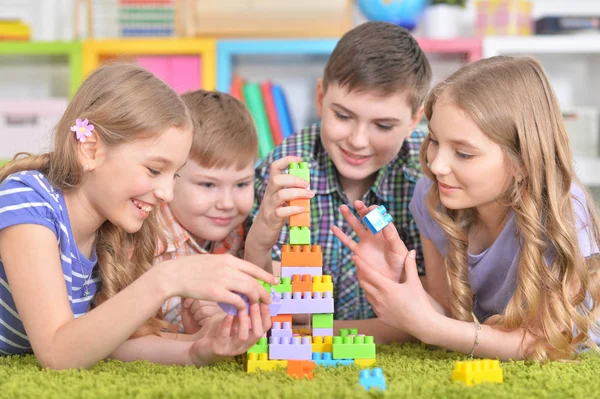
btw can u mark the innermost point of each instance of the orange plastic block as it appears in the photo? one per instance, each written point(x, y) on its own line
point(300, 368)
point(300, 220)
point(301, 255)
point(282, 318)
point(305, 202)
point(301, 283)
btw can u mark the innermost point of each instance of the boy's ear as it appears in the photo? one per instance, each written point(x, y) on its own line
point(416, 119)
point(319, 95)
point(91, 152)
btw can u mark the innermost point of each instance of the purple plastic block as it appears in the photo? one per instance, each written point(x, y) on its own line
point(275, 304)
point(322, 332)
point(321, 302)
point(286, 348)
point(230, 309)
point(280, 331)
point(289, 271)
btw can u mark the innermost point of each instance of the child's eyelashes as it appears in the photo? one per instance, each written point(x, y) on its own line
point(384, 127)
point(206, 184)
point(177, 176)
point(153, 172)
point(433, 141)
point(341, 116)
point(243, 185)
point(463, 155)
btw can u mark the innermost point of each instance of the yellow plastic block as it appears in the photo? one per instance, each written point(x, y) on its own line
point(322, 284)
point(364, 362)
point(322, 344)
point(303, 332)
point(261, 362)
point(477, 371)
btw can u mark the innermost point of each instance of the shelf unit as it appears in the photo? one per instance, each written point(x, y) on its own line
point(559, 44)
point(96, 51)
point(72, 50)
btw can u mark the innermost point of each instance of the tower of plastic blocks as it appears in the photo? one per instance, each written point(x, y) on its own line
point(305, 290)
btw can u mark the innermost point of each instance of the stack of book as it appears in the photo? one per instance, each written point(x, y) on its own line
point(268, 106)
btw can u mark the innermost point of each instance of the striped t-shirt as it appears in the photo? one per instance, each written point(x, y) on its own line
point(29, 198)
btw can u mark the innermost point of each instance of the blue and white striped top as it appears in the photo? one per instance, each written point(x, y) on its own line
point(29, 198)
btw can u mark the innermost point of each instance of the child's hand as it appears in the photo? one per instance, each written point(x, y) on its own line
point(224, 336)
point(405, 306)
point(385, 250)
point(217, 278)
point(195, 313)
point(274, 209)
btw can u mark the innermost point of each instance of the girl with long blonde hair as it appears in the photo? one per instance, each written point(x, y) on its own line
point(510, 235)
point(78, 228)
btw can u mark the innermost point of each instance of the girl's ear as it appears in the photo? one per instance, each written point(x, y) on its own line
point(90, 152)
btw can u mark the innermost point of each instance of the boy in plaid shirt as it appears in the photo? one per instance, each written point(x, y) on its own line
point(214, 194)
point(365, 148)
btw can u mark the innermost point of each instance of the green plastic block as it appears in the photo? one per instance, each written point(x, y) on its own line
point(301, 170)
point(322, 320)
point(285, 285)
point(354, 347)
point(348, 331)
point(299, 236)
point(262, 346)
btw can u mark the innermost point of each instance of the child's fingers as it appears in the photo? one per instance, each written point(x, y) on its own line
point(370, 276)
point(347, 241)
point(281, 164)
point(255, 320)
point(187, 302)
point(265, 314)
point(244, 327)
point(256, 272)
point(286, 211)
point(410, 268)
point(288, 180)
point(390, 233)
point(290, 194)
point(354, 223)
point(362, 209)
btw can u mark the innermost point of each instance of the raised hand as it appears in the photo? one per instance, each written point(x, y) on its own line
point(384, 251)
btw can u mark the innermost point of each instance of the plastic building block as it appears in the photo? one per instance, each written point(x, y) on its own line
point(299, 235)
point(260, 361)
point(262, 346)
point(301, 255)
point(285, 285)
point(348, 332)
point(322, 344)
point(364, 362)
point(377, 219)
point(281, 330)
point(307, 303)
point(275, 304)
point(300, 368)
point(353, 347)
point(300, 219)
point(322, 284)
point(230, 309)
point(322, 332)
point(322, 320)
point(372, 378)
point(301, 283)
point(282, 318)
point(302, 332)
point(325, 359)
point(290, 271)
point(300, 169)
point(477, 371)
point(305, 202)
point(286, 348)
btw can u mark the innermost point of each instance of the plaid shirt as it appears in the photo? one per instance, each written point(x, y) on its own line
point(181, 243)
point(392, 188)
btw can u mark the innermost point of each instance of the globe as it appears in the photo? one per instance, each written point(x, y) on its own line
point(405, 13)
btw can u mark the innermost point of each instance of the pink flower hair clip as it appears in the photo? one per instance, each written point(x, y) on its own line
point(82, 129)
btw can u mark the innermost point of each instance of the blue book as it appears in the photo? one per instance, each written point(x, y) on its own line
point(283, 113)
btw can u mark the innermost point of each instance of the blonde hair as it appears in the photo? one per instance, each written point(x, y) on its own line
point(123, 102)
point(224, 132)
point(512, 102)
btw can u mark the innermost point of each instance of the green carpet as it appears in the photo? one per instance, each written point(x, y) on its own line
point(411, 371)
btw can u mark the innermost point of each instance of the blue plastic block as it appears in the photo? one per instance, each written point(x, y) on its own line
point(377, 219)
point(372, 378)
point(326, 359)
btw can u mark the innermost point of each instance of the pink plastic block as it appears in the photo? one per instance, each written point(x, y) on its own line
point(322, 332)
point(288, 271)
point(307, 303)
point(286, 348)
point(280, 331)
